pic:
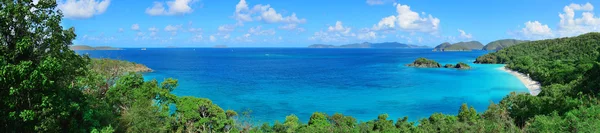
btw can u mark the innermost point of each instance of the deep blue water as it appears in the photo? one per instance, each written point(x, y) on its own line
point(276, 82)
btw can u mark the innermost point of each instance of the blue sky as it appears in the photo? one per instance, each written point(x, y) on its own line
point(298, 23)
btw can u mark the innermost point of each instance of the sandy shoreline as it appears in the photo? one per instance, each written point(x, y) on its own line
point(533, 86)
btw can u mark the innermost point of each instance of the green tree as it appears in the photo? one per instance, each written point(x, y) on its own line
point(38, 71)
point(291, 123)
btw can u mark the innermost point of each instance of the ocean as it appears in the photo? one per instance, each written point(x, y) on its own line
point(275, 82)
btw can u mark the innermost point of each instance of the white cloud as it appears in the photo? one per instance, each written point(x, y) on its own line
point(175, 7)
point(226, 28)
point(121, 30)
point(339, 27)
point(80, 9)
point(172, 28)
point(571, 26)
point(259, 31)
point(536, 30)
point(338, 33)
point(370, 35)
point(328, 37)
point(153, 29)
point(195, 29)
point(263, 13)
point(464, 35)
point(292, 27)
point(377, 2)
point(212, 38)
point(197, 38)
point(408, 20)
point(135, 27)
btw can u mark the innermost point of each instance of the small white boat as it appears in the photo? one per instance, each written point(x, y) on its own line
point(143, 48)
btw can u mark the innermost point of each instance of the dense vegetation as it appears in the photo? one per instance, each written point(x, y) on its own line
point(424, 63)
point(460, 46)
point(500, 44)
point(46, 87)
point(475, 45)
point(85, 47)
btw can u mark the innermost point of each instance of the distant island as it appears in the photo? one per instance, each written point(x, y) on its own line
point(500, 44)
point(85, 47)
point(220, 46)
point(369, 45)
point(475, 45)
point(460, 46)
point(118, 67)
point(428, 63)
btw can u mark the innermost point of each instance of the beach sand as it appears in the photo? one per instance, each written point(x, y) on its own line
point(533, 86)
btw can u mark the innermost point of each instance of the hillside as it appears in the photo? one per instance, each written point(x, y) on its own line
point(461, 46)
point(499, 44)
point(473, 45)
point(568, 69)
point(369, 45)
point(85, 47)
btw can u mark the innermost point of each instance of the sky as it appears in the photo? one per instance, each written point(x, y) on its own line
point(299, 23)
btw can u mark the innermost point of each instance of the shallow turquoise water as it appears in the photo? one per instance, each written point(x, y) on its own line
point(276, 82)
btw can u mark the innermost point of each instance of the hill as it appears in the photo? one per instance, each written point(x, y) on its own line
point(473, 45)
point(461, 46)
point(500, 44)
point(568, 69)
point(368, 45)
point(85, 47)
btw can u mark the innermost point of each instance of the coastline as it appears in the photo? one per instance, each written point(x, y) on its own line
point(534, 87)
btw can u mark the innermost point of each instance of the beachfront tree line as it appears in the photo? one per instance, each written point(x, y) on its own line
point(46, 87)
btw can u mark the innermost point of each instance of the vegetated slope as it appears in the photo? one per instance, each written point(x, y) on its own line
point(568, 69)
point(500, 44)
point(474, 45)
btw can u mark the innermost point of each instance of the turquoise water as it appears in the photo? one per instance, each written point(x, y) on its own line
point(276, 82)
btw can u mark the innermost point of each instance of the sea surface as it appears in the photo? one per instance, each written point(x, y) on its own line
point(276, 82)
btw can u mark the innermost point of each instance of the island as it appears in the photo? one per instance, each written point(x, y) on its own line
point(428, 63)
point(220, 46)
point(461, 65)
point(119, 67)
point(424, 63)
point(369, 45)
point(460, 46)
point(448, 66)
point(86, 47)
point(500, 44)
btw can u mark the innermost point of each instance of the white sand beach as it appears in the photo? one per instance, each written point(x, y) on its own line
point(533, 86)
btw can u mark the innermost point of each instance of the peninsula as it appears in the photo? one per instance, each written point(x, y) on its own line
point(86, 47)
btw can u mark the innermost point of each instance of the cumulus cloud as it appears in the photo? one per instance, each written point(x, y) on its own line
point(571, 26)
point(370, 35)
point(377, 2)
point(464, 35)
point(536, 30)
point(339, 27)
point(264, 13)
point(226, 28)
point(135, 27)
point(212, 38)
point(341, 33)
point(173, 29)
point(408, 20)
point(121, 30)
point(175, 7)
point(259, 31)
point(292, 27)
point(81, 9)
